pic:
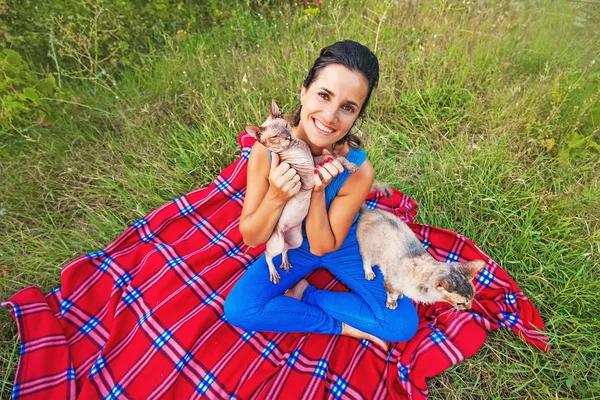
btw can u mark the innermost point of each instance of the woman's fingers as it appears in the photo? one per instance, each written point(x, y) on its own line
point(322, 179)
point(296, 187)
point(287, 186)
point(287, 177)
point(277, 174)
point(286, 180)
point(331, 169)
point(292, 187)
point(338, 165)
point(282, 168)
point(326, 175)
point(318, 181)
point(289, 174)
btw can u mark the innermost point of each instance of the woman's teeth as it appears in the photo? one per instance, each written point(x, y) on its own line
point(322, 127)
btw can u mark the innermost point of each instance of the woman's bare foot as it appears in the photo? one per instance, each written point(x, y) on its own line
point(347, 330)
point(297, 290)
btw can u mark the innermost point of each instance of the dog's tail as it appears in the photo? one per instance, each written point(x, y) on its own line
point(383, 188)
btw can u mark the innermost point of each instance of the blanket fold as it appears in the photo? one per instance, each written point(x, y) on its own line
point(143, 318)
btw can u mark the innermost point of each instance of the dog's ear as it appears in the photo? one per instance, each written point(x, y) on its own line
point(255, 131)
point(275, 113)
point(470, 269)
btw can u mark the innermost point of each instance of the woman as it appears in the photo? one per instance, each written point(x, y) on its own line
point(334, 95)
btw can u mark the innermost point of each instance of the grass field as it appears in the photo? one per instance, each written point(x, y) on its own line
point(487, 113)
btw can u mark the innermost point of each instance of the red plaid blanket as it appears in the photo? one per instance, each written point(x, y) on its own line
point(143, 318)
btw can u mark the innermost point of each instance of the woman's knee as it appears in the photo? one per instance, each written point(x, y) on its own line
point(238, 310)
point(402, 322)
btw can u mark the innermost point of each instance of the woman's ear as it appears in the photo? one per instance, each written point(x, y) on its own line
point(302, 94)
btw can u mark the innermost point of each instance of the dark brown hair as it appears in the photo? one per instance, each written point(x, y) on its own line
point(357, 58)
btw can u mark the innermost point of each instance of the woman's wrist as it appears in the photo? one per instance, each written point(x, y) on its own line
point(318, 195)
point(275, 199)
point(317, 205)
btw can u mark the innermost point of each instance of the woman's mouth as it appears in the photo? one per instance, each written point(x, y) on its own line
point(322, 129)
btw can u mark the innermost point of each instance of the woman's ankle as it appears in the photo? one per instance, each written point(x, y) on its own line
point(297, 290)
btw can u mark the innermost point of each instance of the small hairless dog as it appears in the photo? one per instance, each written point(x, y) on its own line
point(275, 135)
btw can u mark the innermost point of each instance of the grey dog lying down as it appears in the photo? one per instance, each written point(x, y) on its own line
point(276, 136)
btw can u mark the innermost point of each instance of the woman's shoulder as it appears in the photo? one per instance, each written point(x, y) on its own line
point(259, 150)
point(365, 171)
point(361, 180)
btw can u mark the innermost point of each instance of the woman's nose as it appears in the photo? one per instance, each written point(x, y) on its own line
point(329, 114)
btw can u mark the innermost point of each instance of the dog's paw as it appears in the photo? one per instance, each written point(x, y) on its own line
point(351, 167)
point(286, 266)
point(274, 277)
point(370, 275)
point(391, 304)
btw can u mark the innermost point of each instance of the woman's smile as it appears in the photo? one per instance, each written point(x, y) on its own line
point(322, 128)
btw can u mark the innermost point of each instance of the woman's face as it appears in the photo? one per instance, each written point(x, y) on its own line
point(330, 105)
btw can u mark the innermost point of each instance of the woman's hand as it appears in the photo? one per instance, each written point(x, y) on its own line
point(326, 171)
point(284, 181)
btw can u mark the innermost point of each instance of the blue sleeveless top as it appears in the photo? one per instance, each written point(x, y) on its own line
point(358, 157)
point(355, 155)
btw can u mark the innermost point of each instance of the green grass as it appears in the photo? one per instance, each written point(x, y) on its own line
point(470, 95)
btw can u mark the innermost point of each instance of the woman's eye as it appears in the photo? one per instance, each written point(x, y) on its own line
point(349, 109)
point(324, 95)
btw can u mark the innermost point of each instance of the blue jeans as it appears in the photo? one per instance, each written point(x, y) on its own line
point(256, 304)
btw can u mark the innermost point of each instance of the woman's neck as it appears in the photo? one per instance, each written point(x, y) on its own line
point(300, 134)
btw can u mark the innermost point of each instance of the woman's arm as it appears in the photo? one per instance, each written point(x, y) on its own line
point(269, 186)
point(327, 231)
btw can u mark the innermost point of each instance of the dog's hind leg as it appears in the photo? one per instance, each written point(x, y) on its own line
point(292, 240)
point(275, 246)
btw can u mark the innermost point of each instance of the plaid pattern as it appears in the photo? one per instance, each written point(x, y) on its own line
point(143, 318)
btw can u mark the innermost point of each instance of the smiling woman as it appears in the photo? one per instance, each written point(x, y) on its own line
point(348, 68)
point(334, 94)
point(330, 106)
